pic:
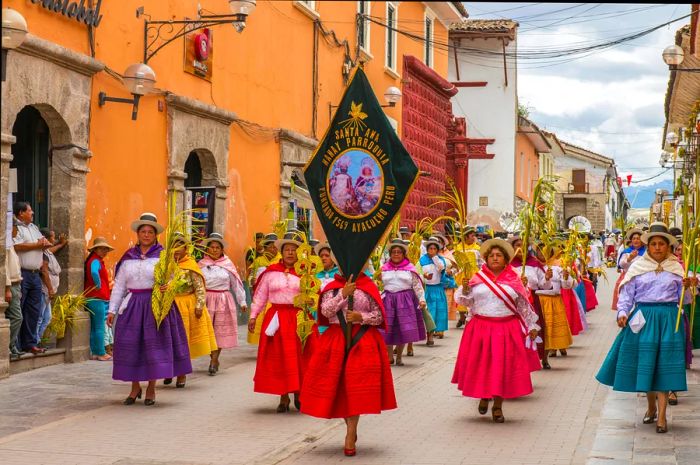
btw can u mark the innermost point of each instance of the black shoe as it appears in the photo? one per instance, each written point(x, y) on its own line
point(649, 419)
point(546, 366)
point(297, 403)
point(212, 370)
point(282, 407)
point(673, 400)
point(498, 417)
point(460, 323)
point(167, 381)
point(483, 406)
point(132, 400)
point(661, 429)
point(180, 385)
point(149, 402)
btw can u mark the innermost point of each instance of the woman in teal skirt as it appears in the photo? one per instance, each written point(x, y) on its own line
point(648, 355)
point(433, 267)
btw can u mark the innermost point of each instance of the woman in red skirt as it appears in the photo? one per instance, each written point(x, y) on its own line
point(346, 384)
point(280, 361)
point(498, 350)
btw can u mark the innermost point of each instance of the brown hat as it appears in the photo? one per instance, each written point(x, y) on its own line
point(100, 242)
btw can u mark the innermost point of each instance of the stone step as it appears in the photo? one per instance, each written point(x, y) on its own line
point(30, 361)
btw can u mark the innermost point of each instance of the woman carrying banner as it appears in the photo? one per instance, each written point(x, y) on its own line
point(648, 355)
point(342, 383)
point(279, 366)
point(433, 267)
point(634, 251)
point(403, 300)
point(498, 349)
point(535, 278)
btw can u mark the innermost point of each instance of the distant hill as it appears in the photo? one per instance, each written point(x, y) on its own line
point(643, 196)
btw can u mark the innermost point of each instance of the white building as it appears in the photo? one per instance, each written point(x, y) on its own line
point(484, 69)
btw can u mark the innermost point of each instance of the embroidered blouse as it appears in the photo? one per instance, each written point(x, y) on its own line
point(402, 280)
point(363, 303)
point(275, 287)
point(133, 274)
point(558, 282)
point(482, 301)
point(651, 287)
point(436, 267)
point(218, 279)
point(535, 277)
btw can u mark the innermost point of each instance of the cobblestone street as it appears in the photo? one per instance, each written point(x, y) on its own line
point(72, 414)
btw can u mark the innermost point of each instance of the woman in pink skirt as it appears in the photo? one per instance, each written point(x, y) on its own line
point(223, 282)
point(498, 350)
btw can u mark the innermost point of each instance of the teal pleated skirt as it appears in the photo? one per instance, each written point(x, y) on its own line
point(651, 360)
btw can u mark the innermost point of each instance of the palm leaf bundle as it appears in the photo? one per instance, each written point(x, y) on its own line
point(64, 312)
point(306, 268)
point(538, 218)
point(691, 244)
point(423, 227)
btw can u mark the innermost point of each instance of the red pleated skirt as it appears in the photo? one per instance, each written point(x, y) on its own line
point(573, 316)
point(493, 360)
point(591, 298)
point(360, 385)
point(281, 363)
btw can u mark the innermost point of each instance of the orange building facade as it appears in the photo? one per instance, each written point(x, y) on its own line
point(530, 143)
point(235, 137)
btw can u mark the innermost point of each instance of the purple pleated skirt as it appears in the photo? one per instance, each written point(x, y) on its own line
point(404, 319)
point(143, 352)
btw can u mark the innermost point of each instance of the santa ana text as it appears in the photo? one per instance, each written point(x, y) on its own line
point(352, 138)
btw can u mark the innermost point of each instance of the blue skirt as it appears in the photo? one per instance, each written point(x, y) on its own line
point(580, 291)
point(651, 360)
point(437, 305)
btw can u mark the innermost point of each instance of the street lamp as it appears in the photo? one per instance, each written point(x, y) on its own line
point(241, 9)
point(14, 31)
point(672, 139)
point(673, 56)
point(139, 80)
point(392, 96)
point(664, 159)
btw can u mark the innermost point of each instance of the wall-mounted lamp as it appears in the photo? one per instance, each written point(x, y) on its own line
point(392, 95)
point(673, 56)
point(672, 139)
point(241, 10)
point(14, 31)
point(139, 80)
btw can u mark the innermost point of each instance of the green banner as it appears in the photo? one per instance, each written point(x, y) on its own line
point(359, 176)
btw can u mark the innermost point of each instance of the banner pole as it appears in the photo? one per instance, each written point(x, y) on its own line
point(348, 326)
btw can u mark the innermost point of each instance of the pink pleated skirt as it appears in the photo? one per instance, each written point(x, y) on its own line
point(591, 298)
point(493, 360)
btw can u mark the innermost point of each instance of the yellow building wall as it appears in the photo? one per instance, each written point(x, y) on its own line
point(264, 75)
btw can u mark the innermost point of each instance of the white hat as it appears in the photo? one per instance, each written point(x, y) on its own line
point(433, 240)
point(398, 243)
point(149, 219)
point(215, 237)
point(658, 229)
point(290, 237)
point(502, 243)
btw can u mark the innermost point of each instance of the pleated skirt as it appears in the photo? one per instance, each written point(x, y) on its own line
point(573, 307)
point(557, 331)
point(143, 352)
point(652, 359)
point(437, 305)
point(222, 310)
point(200, 331)
point(493, 360)
point(591, 297)
point(334, 387)
point(404, 319)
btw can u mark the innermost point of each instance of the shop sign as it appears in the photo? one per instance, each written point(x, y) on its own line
point(80, 11)
point(199, 53)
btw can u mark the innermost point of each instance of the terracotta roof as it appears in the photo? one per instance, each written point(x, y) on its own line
point(460, 8)
point(502, 26)
point(585, 152)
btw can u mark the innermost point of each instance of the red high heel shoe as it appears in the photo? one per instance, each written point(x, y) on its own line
point(350, 452)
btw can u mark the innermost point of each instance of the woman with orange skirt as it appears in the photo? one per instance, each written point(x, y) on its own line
point(342, 383)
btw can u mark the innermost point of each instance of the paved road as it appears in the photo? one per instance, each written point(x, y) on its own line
point(71, 414)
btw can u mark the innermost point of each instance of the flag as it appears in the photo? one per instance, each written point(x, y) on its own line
point(359, 176)
point(629, 180)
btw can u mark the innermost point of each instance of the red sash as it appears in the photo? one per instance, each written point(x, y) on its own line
point(504, 296)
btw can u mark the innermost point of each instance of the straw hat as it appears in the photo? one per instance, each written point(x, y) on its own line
point(215, 237)
point(314, 242)
point(433, 240)
point(323, 245)
point(633, 231)
point(291, 237)
point(100, 242)
point(178, 237)
point(147, 219)
point(658, 229)
point(269, 238)
point(442, 238)
point(398, 243)
point(502, 243)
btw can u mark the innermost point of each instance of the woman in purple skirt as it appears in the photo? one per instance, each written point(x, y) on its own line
point(403, 299)
point(143, 352)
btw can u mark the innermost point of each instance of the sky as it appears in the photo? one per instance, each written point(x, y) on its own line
point(612, 101)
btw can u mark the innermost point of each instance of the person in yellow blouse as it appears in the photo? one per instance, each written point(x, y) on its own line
point(191, 302)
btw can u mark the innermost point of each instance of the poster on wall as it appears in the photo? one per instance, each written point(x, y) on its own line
point(199, 53)
point(200, 201)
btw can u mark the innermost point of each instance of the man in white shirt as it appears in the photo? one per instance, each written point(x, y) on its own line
point(29, 245)
point(13, 289)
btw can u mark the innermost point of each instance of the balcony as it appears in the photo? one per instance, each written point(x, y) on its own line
point(579, 188)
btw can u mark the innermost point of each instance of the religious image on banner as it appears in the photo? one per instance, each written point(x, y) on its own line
point(359, 176)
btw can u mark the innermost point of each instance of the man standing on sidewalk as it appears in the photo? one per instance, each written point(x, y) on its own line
point(13, 290)
point(29, 245)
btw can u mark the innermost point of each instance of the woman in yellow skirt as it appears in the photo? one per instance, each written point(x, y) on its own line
point(191, 302)
point(557, 335)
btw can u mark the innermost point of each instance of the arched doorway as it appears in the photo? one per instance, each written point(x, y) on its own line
point(193, 169)
point(199, 199)
point(32, 160)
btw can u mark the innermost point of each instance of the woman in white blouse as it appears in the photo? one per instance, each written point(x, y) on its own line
point(223, 282)
point(498, 350)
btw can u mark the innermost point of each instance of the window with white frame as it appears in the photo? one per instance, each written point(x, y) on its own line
point(429, 33)
point(391, 13)
point(307, 7)
point(363, 26)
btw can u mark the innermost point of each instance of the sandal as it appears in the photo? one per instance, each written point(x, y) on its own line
point(672, 400)
point(103, 358)
point(483, 406)
point(649, 418)
point(498, 417)
point(563, 352)
point(399, 362)
point(409, 352)
point(661, 429)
